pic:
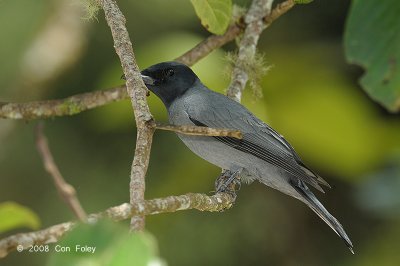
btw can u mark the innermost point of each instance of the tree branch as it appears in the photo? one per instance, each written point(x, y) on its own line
point(67, 106)
point(254, 20)
point(213, 42)
point(201, 131)
point(201, 202)
point(66, 191)
point(278, 11)
point(137, 92)
point(85, 101)
point(205, 47)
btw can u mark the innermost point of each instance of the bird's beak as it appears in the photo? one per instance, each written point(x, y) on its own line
point(148, 80)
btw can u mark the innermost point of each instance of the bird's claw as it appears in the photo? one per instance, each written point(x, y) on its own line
point(228, 182)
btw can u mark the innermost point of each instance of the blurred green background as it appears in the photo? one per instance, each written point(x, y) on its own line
point(311, 95)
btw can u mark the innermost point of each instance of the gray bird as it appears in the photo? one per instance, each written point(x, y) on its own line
point(262, 154)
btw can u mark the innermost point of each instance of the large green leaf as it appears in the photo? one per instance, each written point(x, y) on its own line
point(215, 15)
point(13, 215)
point(372, 40)
point(105, 243)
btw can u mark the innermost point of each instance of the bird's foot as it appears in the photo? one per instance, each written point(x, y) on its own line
point(228, 182)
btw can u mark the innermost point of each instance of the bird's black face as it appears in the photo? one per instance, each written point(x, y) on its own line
point(169, 80)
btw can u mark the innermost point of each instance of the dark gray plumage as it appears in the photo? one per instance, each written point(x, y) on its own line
point(262, 154)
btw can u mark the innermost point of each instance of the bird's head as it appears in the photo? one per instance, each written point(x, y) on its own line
point(169, 80)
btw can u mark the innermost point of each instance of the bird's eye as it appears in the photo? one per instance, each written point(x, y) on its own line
point(170, 72)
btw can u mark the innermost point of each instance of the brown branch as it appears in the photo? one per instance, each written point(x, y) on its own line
point(137, 92)
point(201, 202)
point(278, 11)
point(213, 42)
point(67, 106)
point(254, 20)
point(85, 101)
point(205, 47)
point(49, 235)
point(201, 131)
point(65, 190)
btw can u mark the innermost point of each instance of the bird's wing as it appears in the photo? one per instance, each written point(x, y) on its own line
point(259, 139)
point(276, 136)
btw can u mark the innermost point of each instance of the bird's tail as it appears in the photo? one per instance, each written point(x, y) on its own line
point(320, 210)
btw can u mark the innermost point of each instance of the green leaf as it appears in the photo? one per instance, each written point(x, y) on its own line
point(215, 15)
point(110, 244)
point(372, 40)
point(13, 215)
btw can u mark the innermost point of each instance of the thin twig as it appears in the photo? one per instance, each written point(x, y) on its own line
point(137, 92)
point(85, 101)
point(254, 20)
point(201, 131)
point(66, 191)
point(201, 202)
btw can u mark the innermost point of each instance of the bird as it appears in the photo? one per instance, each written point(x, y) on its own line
point(262, 154)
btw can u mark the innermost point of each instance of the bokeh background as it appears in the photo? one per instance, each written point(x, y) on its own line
point(311, 95)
